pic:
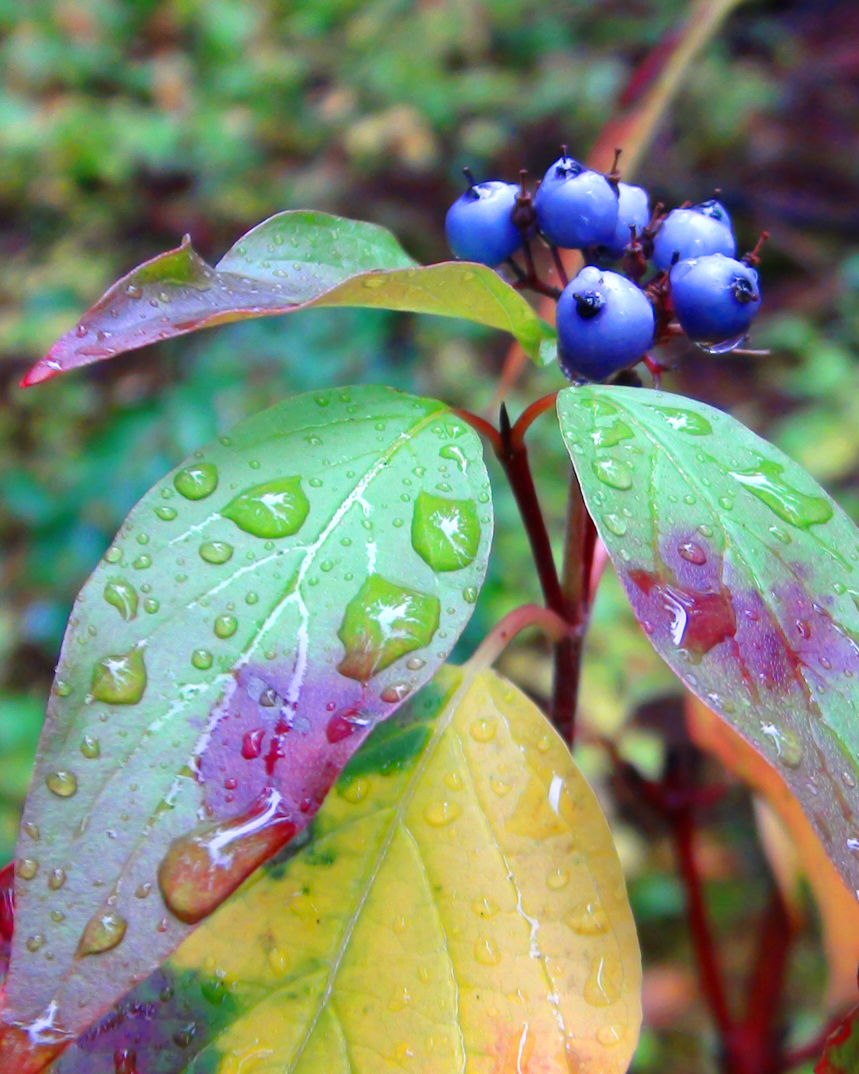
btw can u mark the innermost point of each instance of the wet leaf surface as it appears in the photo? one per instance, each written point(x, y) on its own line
point(194, 731)
point(841, 1054)
point(295, 260)
point(745, 576)
point(458, 906)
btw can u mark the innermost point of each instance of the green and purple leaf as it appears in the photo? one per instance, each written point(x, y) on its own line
point(295, 260)
point(745, 576)
point(262, 608)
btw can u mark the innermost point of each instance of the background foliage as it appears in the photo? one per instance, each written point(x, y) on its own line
point(125, 123)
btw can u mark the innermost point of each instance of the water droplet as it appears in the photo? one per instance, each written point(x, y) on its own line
point(252, 744)
point(615, 524)
point(414, 663)
point(90, 747)
point(383, 622)
point(32, 830)
point(35, 942)
point(798, 508)
point(557, 879)
point(216, 552)
point(499, 786)
point(102, 933)
point(274, 509)
point(167, 514)
point(609, 1035)
point(588, 919)
point(133, 291)
point(544, 743)
point(125, 1061)
point(56, 879)
point(225, 626)
point(440, 813)
point(122, 596)
point(483, 730)
point(63, 784)
point(445, 533)
point(613, 472)
point(251, 598)
point(788, 746)
point(486, 952)
point(26, 868)
point(202, 868)
point(201, 659)
point(470, 594)
point(142, 891)
point(81, 330)
point(58, 916)
point(373, 283)
point(454, 781)
point(724, 347)
point(611, 435)
point(197, 481)
point(397, 691)
point(603, 985)
point(692, 553)
point(356, 790)
point(484, 907)
point(113, 555)
point(151, 606)
point(120, 679)
point(685, 421)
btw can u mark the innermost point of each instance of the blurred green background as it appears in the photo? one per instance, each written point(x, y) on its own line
point(126, 123)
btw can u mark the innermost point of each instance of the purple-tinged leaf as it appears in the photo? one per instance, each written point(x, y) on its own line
point(261, 609)
point(745, 576)
point(295, 260)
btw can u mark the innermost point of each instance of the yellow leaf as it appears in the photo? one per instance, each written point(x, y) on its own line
point(459, 908)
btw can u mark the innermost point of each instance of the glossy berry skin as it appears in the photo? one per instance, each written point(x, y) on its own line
point(605, 323)
point(703, 229)
point(715, 297)
point(478, 224)
point(633, 210)
point(576, 207)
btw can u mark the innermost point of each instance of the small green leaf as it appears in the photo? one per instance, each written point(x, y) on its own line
point(745, 576)
point(290, 612)
point(295, 260)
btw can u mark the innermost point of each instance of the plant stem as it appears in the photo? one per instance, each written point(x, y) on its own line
point(526, 615)
point(709, 971)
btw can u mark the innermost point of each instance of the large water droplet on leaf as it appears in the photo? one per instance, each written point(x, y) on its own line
point(445, 533)
point(201, 869)
point(198, 481)
point(533, 816)
point(216, 551)
point(122, 596)
point(783, 499)
point(611, 435)
point(102, 933)
point(440, 813)
point(225, 626)
point(63, 784)
point(383, 622)
point(275, 509)
point(120, 679)
point(613, 472)
point(588, 919)
point(685, 421)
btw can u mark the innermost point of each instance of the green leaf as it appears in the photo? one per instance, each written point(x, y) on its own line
point(745, 576)
point(295, 260)
point(459, 906)
point(841, 1054)
point(277, 601)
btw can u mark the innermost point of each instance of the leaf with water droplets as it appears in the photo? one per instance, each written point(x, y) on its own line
point(430, 923)
point(291, 611)
point(745, 576)
point(295, 260)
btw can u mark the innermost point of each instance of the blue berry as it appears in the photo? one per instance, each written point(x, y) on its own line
point(479, 226)
point(575, 207)
point(605, 323)
point(703, 229)
point(633, 211)
point(715, 298)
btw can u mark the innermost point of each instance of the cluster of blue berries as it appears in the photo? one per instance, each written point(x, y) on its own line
point(608, 320)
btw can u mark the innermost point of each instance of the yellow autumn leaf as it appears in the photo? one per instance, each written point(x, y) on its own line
point(459, 908)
